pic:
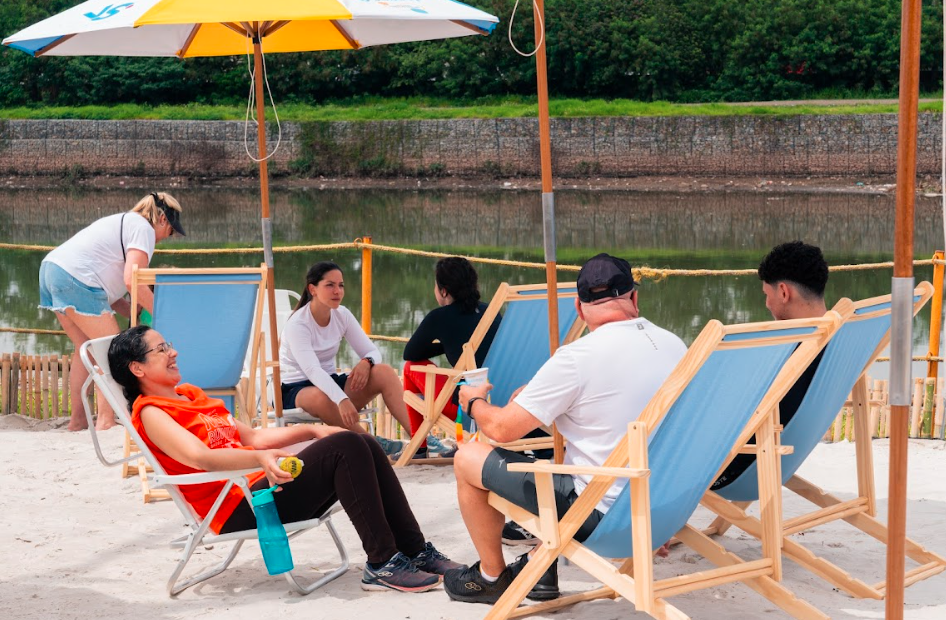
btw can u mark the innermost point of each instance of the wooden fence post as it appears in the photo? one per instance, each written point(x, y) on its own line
point(940, 406)
point(5, 384)
point(916, 409)
point(66, 396)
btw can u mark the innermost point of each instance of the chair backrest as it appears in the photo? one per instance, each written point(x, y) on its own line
point(212, 316)
point(285, 302)
point(860, 339)
point(703, 411)
point(521, 344)
point(94, 356)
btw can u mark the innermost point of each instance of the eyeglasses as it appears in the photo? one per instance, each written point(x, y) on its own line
point(164, 347)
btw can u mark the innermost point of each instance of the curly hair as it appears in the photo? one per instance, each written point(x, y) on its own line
point(796, 262)
point(457, 276)
point(127, 347)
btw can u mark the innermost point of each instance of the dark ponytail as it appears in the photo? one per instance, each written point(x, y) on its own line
point(314, 276)
point(127, 347)
point(457, 276)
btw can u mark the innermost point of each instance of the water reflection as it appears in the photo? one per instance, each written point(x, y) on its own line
point(686, 230)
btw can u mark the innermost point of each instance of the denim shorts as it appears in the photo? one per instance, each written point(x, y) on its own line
point(58, 291)
point(291, 390)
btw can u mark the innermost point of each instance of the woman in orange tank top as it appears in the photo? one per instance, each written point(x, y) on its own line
point(190, 432)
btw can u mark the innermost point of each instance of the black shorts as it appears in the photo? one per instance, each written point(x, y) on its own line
point(519, 488)
point(291, 390)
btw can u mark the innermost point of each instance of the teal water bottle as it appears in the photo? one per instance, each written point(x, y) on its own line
point(272, 535)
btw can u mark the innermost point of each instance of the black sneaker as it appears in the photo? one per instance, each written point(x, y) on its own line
point(515, 534)
point(432, 561)
point(546, 589)
point(398, 574)
point(468, 585)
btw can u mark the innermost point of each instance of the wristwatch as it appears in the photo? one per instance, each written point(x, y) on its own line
point(469, 405)
point(370, 361)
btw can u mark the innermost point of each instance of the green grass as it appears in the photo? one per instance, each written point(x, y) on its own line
point(364, 109)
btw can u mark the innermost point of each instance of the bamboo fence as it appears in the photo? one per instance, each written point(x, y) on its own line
point(37, 386)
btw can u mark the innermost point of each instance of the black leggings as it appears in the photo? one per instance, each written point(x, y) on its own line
point(350, 468)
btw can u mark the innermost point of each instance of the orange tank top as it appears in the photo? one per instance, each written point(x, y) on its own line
point(208, 419)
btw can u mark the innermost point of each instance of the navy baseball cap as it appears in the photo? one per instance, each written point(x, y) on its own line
point(173, 215)
point(611, 274)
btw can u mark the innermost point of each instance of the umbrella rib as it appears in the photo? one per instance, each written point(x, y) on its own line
point(468, 26)
point(237, 28)
point(55, 43)
point(190, 39)
point(354, 44)
point(275, 26)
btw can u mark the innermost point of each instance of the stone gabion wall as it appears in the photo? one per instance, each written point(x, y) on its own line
point(861, 145)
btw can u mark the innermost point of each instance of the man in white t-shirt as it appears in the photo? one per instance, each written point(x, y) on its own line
point(591, 389)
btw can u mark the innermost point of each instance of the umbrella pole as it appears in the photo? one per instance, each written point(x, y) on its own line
point(267, 223)
point(901, 342)
point(548, 196)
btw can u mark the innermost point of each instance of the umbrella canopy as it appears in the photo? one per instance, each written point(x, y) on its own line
point(194, 28)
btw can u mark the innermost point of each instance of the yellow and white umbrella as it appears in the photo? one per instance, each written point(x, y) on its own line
point(194, 28)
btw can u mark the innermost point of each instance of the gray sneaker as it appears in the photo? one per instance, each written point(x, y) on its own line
point(399, 574)
point(438, 447)
point(390, 446)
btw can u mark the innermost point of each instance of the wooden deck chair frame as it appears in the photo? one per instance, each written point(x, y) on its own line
point(94, 356)
point(243, 391)
point(431, 405)
point(860, 511)
point(634, 579)
point(257, 372)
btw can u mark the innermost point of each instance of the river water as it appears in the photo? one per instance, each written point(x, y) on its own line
point(657, 229)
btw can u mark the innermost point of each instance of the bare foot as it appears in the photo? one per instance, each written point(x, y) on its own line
point(663, 551)
point(77, 424)
point(103, 423)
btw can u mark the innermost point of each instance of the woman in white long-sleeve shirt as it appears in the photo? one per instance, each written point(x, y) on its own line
point(310, 342)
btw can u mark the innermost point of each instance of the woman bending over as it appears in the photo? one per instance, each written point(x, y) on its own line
point(190, 432)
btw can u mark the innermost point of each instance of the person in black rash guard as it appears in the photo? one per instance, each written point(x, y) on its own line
point(445, 330)
point(793, 277)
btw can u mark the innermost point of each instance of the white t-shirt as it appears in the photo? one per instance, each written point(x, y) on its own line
point(594, 387)
point(308, 351)
point(94, 257)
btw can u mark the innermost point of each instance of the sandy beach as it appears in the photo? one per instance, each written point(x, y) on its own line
point(79, 543)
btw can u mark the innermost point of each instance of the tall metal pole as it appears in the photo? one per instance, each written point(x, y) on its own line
point(267, 223)
point(548, 197)
point(901, 341)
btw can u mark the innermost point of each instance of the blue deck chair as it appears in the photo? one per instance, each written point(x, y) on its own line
point(212, 316)
point(723, 391)
point(519, 349)
point(842, 371)
point(94, 356)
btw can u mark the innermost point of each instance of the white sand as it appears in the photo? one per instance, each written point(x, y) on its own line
point(79, 543)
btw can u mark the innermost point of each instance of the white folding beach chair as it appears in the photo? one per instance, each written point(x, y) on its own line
point(94, 356)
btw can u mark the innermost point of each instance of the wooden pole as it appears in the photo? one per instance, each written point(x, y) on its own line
point(6, 384)
point(902, 277)
point(267, 222)
point(366, 284)
point(936, 315)
point(548, 196)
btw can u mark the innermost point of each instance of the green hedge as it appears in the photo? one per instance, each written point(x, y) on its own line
point(674, 50)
